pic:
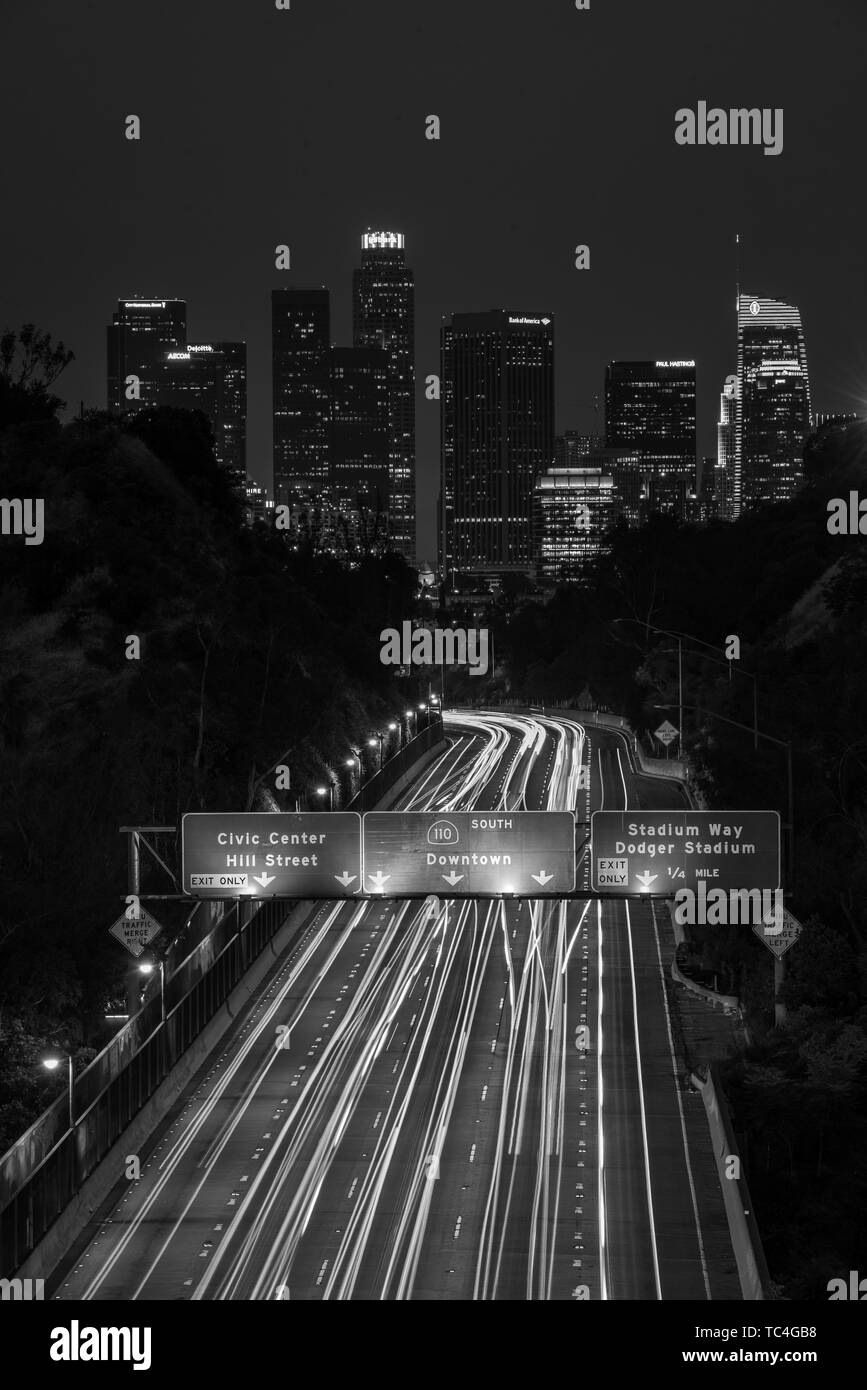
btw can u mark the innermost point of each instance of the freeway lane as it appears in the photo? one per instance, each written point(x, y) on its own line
point(432, 1132)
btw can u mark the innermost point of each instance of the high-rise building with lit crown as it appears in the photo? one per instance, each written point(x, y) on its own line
point(148, 342)
point(142, 332)
point(497, 435)
point(211, 377)
point(650, 410)
point(772, 403)
point(383, 317)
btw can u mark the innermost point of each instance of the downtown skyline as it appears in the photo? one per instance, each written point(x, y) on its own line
point(605, 422)
point(663, 275)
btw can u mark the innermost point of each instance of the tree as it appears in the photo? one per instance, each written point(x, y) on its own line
point(29, 364)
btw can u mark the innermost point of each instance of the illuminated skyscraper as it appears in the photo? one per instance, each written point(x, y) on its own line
point(574, 508)
point(772, 404)
point(301, 377)
point(650, 410)
point(211, 377)
point(148, 341)
point(383, 317)
point(497, 418)
point(142, 332)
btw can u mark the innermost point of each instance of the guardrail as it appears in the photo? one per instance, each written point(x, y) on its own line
point(44, 1169)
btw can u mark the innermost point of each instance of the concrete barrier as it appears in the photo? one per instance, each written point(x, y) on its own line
point(728, 1001)
point(746, 1241)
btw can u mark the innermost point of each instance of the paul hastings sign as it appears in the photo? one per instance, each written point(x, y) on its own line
point(659, 852)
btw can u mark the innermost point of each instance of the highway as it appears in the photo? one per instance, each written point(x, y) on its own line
point(433, 1129)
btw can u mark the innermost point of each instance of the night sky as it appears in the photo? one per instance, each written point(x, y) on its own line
point(305, 126)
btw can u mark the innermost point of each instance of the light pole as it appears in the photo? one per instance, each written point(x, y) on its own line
point(329, 792)
point(51, 1064)
point(741, 672)
point(781, 743)
point(677, 637)
point(690, 637)
point(147, 968)
point(371, 743)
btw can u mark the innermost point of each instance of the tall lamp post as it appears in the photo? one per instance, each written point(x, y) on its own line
point(329, 792)
point(781, 743)
point(680, 638)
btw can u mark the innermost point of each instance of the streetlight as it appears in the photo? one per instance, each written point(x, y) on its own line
point(690, 637)
point(147, 968)
point(329, 792)
point(51, 1064)
point(677, 638)
point(371, 743)
point(781, 743)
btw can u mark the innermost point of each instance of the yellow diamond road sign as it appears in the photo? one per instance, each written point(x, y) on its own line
point(137, 932)
point(778, 930)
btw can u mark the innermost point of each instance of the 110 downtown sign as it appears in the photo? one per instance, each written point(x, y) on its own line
point(339, 854)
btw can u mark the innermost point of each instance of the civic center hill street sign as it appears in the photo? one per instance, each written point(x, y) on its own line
point(311, 854)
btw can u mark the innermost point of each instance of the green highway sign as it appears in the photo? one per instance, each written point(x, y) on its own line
point(528, 854)
point(658, 852)
point(315, 854)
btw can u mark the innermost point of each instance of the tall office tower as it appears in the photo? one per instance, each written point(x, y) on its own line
point(650, 410)
point(383, 316)
point(572, 448)
point(211, 377)
point(359, 438)
point(726, 454)
point(569, 538)
point(497, 434)
point(772, 404)
point(142, 332)
point(301, 377)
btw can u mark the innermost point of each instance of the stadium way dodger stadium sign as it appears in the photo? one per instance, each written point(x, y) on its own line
point(658, 852)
